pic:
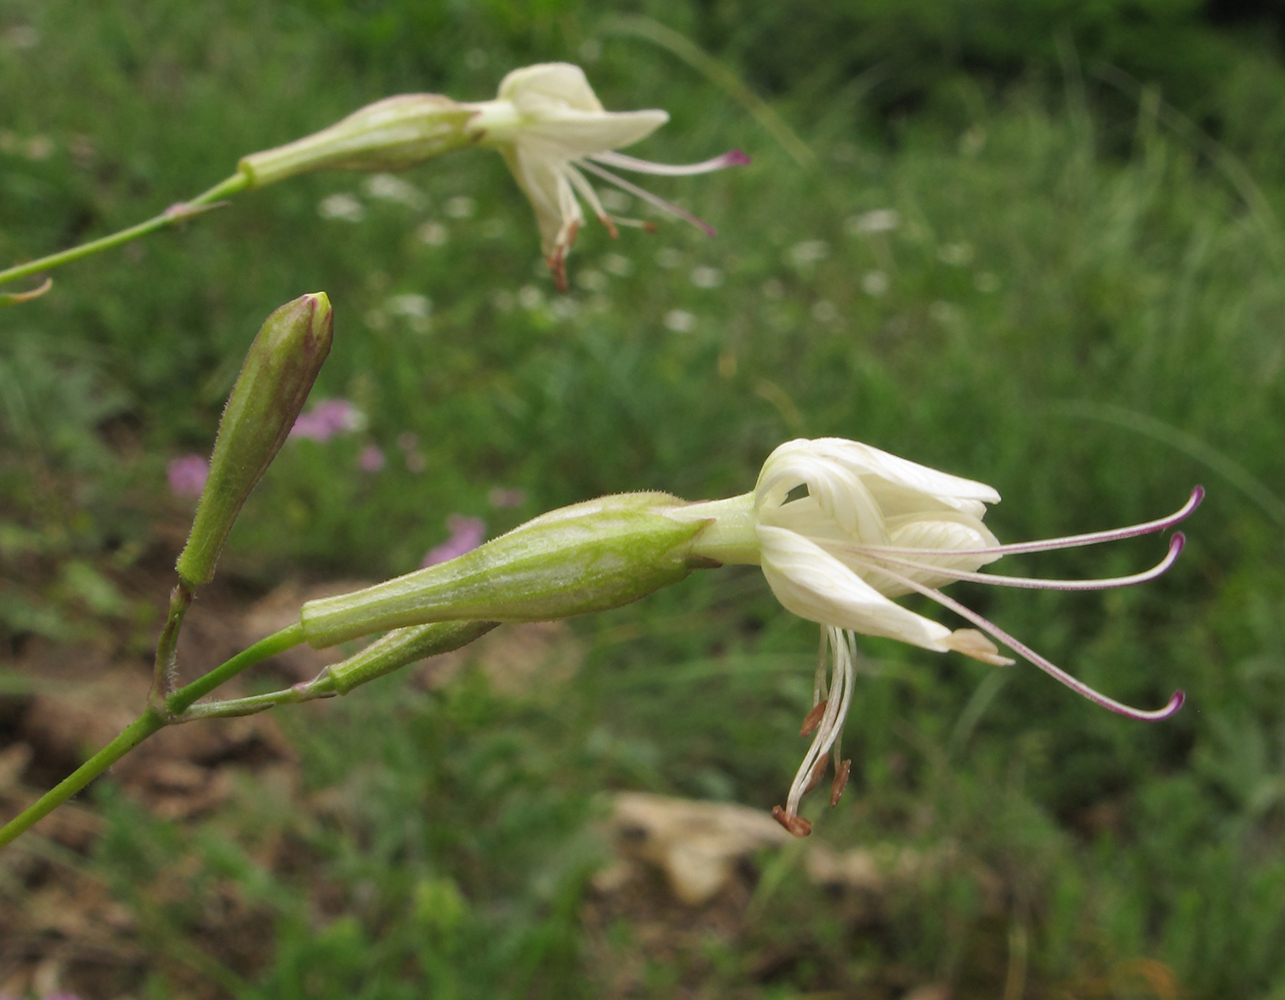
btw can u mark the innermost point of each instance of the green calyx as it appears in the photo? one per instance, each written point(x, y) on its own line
point(392, 134)
point(587, 557)
point(275, 379)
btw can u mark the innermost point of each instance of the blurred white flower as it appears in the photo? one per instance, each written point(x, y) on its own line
point(460, 207)
point(955, 254)
point(387, 187)
point(341, 206)
point(808, 252)
point(433, 233)
point(707, 277)
point(825, 311)
point(618, 265)
point(881, 220)
point(840, 528)
point(591, 280)
point(874, 283)
point(549, 125)
point(680, 321)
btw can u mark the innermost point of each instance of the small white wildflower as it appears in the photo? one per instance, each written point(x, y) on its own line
point(549, 125)
point(530, 297)
point(840, 528)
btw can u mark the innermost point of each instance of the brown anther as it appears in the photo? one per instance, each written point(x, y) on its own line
point(817, 775)
point(840, 781)
point(649, 227)
point(813, 718)
point(612, 231)
point(797, 825)
point(557, 262)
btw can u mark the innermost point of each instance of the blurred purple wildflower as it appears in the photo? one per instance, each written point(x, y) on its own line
point(467, 533)
point(187, 475)
point(371, 459)
point(327, 419)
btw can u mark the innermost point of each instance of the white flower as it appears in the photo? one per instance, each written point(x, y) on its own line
point(549, 125)
point(841, 528)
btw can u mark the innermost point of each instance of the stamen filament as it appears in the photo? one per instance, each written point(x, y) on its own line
point(831, 727)
point(647, 196)
point(1048, 544)
point(1028, 654)
point(1031, 583)
point(591, 196)
point(732, 158)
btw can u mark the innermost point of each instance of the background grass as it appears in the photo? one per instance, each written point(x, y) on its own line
point(1080, 305)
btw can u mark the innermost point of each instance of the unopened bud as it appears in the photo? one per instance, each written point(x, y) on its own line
point(402, 646)
point(392, 134)
point(587, 557)
point(278, 372)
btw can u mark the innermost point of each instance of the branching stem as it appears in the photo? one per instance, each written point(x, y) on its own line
point(153, 719)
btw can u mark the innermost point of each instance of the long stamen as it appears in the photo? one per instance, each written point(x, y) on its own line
point(591, 196)
point(831, 727)
point(732, 158)
point(647, 196)
point(1048, 544)
point(1033, 583)
point(1024, 651)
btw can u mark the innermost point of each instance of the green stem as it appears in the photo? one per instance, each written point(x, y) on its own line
point(179, 702)
point(175, 213)
point(134, 734)
point(151, 721)
point(322, 686)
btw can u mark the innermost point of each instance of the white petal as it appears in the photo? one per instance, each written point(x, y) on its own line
point(549, 83)
point(836, 488)
point(940, 533)
point(908, 480)
point(549, 192)
point(814, 585)
point(568, 134)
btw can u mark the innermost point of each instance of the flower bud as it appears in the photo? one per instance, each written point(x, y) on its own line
point(278, 372)
point(400, 647)
point(587, 557)
point(392, 134)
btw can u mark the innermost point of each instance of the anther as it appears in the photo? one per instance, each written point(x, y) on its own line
point(796, 825)
point(813, 718)
point(840, 781)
